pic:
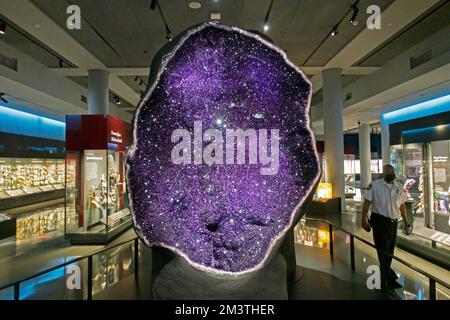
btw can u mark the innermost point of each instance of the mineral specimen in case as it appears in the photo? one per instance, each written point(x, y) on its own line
point(223, 156)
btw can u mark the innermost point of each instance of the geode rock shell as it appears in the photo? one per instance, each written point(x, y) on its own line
point(221, 217)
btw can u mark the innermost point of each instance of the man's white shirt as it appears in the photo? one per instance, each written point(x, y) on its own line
point(386, 198)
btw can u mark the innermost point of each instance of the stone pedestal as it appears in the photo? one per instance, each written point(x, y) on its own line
point(177, 280)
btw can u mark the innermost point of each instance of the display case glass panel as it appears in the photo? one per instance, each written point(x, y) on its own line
point(414, 175)
point(440, 151)
point(96, 197)
point(424, 170)
point(22, 176)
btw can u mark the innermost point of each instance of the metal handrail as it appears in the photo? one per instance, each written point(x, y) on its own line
point(16, 284)
point(384, 252)
point(66, 263)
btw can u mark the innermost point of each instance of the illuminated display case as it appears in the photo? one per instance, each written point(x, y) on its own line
point(32, 170)
point(421, 162)
point(21, 176)
point(96, 196)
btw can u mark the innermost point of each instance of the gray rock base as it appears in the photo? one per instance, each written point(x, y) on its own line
point(180, 281)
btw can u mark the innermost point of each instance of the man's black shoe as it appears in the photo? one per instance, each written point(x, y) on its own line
point(392, 285)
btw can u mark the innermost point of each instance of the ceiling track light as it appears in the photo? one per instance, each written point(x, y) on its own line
point(353, 19)
point(266, 19)
point(334, 32)
point(2, 27)
point(3, 99)
point(117, 100)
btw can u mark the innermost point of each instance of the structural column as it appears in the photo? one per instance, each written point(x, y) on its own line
point(334, 131)
point(364, 155)
point(98, 98)
point(385, 141)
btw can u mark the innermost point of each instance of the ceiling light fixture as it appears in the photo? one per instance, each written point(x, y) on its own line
point(195, 5)
point(155, 4)
point(3, 99)
point(117, 100)
point(2, 27)
point(266, 19)
point(334, 32)
point(215, 16)
point(353, 20)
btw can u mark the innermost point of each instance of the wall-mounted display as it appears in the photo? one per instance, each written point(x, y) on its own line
point(96, 199)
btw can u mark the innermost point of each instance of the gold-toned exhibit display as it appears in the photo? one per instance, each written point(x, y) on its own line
point(40, 223)
point(312, 236)
point(21, 176)
point(111, 267)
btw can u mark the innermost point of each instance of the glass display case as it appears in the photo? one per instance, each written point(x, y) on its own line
point(422, 165)
point(96, 196)
point(22, 176)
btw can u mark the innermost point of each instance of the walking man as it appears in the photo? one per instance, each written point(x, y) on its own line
point(386, 198)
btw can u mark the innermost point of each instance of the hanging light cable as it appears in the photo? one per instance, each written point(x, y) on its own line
point(266, 19)
point(155, 4)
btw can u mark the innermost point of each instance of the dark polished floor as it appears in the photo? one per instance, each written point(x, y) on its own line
point(331, 280)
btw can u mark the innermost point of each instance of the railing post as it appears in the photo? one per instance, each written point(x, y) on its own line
point(136, 258)
point(17, 291)
point(352, 252)
point(432, 289)
point(89, 279)
point(330, 229)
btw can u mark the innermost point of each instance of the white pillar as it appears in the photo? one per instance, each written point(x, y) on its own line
point(333, 123)
point(385, 150)
point(98, 98)
point(364, 155)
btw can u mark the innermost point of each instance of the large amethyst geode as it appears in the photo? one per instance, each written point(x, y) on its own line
point(223, 155)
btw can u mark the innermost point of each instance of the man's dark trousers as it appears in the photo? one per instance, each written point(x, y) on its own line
point(384, 236)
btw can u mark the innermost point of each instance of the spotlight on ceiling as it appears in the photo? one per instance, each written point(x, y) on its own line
point(266, 19)
point(169, 36)
point(353, 20)
point(117, 100)
point(215, 16)
point(334, 32)
point(2, 27)
point(3, 99)
point(195, 5)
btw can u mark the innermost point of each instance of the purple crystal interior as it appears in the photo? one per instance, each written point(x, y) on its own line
point(221, 217)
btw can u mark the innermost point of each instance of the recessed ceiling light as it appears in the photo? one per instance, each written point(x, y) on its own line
point(36, 25)
point(195, 5)
point(215, 16)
